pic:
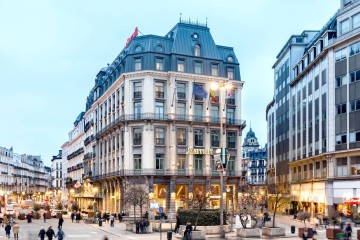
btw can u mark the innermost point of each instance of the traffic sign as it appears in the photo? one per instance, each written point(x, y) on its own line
point(161, 210)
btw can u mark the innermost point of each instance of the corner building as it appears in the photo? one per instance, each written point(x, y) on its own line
point(324, 120)
point(145, 125)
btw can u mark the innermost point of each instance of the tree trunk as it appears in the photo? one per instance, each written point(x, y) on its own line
point(134, 213)
point(275, 209)
point(197, 218)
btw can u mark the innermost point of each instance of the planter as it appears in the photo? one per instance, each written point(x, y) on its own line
point(198, 235)
point(248, 232)
point(58, 215)
point(301, 231)
point(207, 229)
point(91, 214)
point(273, 232)
point(129, 227)
point(22, 216)
point(332, 232)
point(358, 234)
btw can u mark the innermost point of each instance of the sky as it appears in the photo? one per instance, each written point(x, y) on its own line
point(51, 51)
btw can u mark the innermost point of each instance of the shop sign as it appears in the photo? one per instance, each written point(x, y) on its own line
point(200, 151)
point(214, 197)
point(353, 201)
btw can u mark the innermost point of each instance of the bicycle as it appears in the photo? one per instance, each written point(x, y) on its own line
point(91, 220)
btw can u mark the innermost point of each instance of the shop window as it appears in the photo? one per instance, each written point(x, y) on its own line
point(355, 165)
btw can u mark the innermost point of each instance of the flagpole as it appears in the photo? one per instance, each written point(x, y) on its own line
point(208, 101)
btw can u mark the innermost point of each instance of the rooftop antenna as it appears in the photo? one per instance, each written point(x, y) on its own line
point(180, 17)
point(197, 21)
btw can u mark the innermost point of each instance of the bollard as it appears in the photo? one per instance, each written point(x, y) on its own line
point(100, 223)
point(292, 229)
point(169, 235)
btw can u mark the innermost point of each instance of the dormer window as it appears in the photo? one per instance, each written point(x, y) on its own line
point(138, 48)
point(159, 48)
point(197, 50)
point(230, 59)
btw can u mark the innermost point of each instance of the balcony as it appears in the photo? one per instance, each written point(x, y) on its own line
point(88, 155)
point(159, 94)
point(75, 153)
point(181, 95)
point(88, 140)
point(137, 94)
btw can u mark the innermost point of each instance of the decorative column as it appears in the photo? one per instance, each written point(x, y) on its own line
point(208, 190)
point(172, 200)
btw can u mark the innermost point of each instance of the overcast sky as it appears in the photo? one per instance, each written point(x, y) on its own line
point(50, 52)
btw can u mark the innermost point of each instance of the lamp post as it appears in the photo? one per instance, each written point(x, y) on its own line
point(221, 86)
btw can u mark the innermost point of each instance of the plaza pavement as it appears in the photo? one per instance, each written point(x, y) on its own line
point(84, 231)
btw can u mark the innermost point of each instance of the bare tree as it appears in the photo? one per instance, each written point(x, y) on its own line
point(303, 217)
point(276, 195)
point(198, 201)
point(137, 195)
point(248, 208)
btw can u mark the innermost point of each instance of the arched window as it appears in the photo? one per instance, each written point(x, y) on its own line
point(159, 48)
point(138, 48)
point(197, 50)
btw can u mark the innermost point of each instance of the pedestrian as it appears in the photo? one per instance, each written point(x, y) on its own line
point(107, 217)
point(146, 215)
point(305, 234)
point(188, 231)
point(112, 219)
point(42, 234)
point(29, 218)
point(50, 233)
point(44, 216)
point(314, 232)
point(177, 225)
point(99, 216)
point(141, 223)
point(348, 230)
point(120, 217)
point(60, 235)
point(78, 217)
point(5, 220)
point(16, 229)
point(115, 215)
point(137, 224)
point(72, 216)
point(61, 220)
point(104, 216)
point(7, 230)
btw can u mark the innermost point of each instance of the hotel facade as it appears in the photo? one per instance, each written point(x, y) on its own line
point(151, 119)
point(320, 100)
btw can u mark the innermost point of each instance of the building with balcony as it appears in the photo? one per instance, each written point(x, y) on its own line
point(322, 119)
point(22, 177)
point(151, 119)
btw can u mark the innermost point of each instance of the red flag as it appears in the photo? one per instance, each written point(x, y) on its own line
point(213, 97)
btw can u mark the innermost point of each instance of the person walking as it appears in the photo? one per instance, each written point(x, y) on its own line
point(348, 230)
point(112, 219)
point(42, 234)
point(120, 217)
point(16, 229)
point(177, 225)
point(5, 220)
point(188, 231)
point(7, 230)
point(61, 221)
point(50, 233)
point(137, 227)
point(78, 217)
point(28, 218)
point(72, 216)
point(60, 235)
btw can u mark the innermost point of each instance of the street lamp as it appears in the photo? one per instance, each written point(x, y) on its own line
point(221, 86)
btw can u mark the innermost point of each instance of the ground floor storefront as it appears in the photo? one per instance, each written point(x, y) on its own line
point(167, 193)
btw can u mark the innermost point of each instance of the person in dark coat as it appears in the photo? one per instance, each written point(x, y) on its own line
point(141, 223)
point(7, 230)
point(146, 215)
point(61, 220)
point(188, 231)
point(28, 218)
point(72, 216)
point(137, 224)
point(177, 225)
point(44, 216)
point(50, 233)
point(60, 235)
point(42, 234)
point(78, 217)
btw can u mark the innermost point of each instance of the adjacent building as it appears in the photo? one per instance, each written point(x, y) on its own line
point(22, 177)
point(321, 144)
point(152, 119)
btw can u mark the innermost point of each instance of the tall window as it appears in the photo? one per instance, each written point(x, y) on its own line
point(180, 65)
point(137, 110)
point(159, 161)
point(231, 139)
point(181, 90)
point(231, 164)
point(181, 111)
point(138, 64)
point(198, 67)
point(230, 115)
point(181, 161)
point(355, 165)
point(340, 139)
point(198, 162)
point(137, 161)
point(214, 69)
point(198, 135)
point(198, 112)
point(137, 136)
point(230, 72)
point(344, 26)
point(160, 136)
point(197, 50)
point(159, 110)
point(137, 89)
point(356, 20)
point(159, 89)
point(215, 114)
point(215, 138)
point(159, 64)
point(181, 136)
point(341, 167)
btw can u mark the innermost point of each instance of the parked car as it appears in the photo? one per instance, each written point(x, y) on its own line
point(54, 212)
